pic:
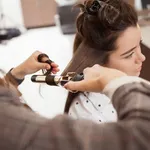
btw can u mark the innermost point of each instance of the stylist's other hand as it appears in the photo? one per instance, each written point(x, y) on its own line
point(31, 65)
point(95, 79)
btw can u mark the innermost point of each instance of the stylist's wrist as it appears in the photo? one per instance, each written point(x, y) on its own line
point(105, 80)
point(18, 73)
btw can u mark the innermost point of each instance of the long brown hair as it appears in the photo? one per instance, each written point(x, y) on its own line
point(99, 25)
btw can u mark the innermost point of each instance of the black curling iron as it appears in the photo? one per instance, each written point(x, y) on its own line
point(54, 80)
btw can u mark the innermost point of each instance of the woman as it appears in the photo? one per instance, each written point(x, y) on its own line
point(107, 34)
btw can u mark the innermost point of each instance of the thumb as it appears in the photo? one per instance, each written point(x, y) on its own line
point(44, 66)
point(84, 85)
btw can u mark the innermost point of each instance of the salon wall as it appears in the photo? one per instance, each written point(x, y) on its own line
point(13, 12)
point(138, 4)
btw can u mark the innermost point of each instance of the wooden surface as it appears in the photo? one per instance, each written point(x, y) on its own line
point(145, 73)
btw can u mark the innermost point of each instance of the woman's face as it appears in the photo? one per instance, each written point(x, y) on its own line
point(128, 57)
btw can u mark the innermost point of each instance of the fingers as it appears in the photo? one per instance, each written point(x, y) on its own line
point(79, 86)
point(47, 67)
point(54, 65)
point(90, 83)
point(36, 53)
point(95, 67)
point(55, 70)
point(84, 85)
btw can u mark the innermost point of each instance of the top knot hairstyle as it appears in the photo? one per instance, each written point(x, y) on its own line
point(102, 10)
point(99, 19)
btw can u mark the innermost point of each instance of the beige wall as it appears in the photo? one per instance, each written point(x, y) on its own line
point(38, 13)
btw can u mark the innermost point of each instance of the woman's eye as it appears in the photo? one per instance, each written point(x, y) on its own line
point(129, 56)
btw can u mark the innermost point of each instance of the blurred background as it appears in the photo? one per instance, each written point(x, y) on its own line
point(49, 26)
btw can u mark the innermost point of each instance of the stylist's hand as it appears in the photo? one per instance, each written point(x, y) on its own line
point(31, 65)
point(95, 79)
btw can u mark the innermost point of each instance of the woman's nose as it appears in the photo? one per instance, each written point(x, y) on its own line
point(140, 57)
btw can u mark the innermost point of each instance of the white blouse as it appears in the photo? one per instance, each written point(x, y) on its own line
point(93, 106)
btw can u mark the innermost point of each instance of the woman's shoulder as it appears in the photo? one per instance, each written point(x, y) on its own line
point(96, 99)
point(88, 103)
point(83, 108)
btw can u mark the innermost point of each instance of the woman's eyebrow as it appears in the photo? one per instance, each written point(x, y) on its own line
point(128, 51)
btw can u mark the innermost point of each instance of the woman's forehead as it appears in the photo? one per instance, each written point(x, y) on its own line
point(128, 39)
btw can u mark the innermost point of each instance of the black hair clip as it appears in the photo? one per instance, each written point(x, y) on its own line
point(94, 8)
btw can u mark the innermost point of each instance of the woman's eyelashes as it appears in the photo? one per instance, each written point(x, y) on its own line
point(135, 49)
point(129, 56)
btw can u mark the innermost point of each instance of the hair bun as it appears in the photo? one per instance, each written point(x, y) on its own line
point(109, 14)
point(92, 8)
point(104, 11)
